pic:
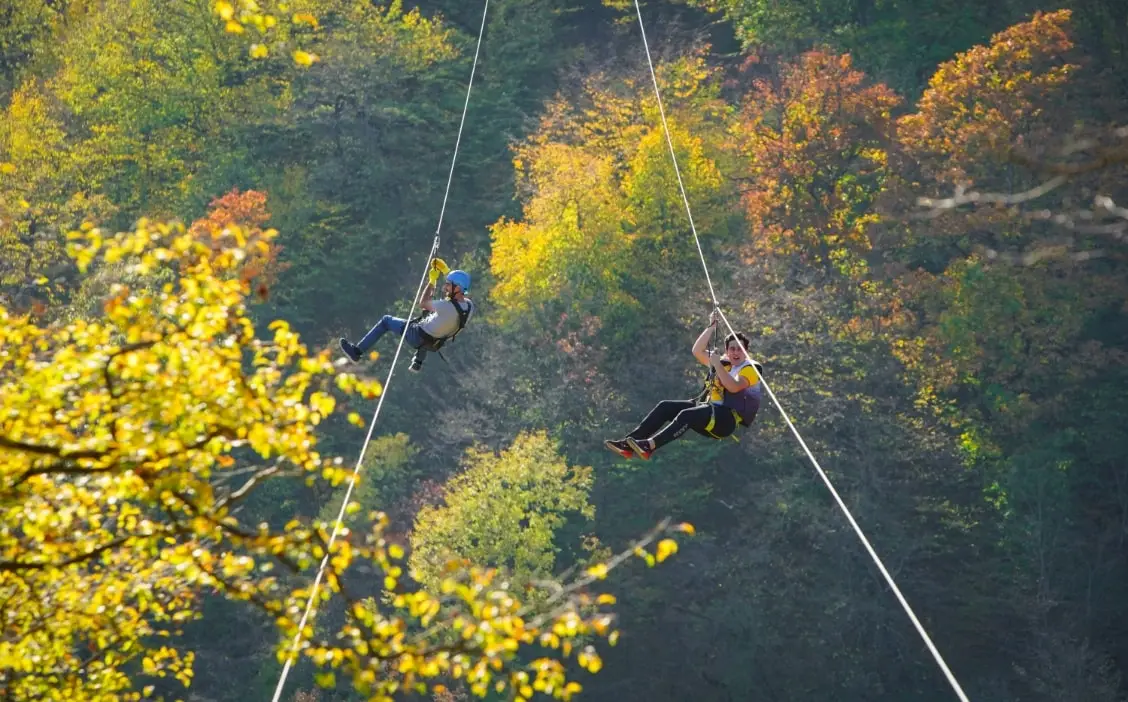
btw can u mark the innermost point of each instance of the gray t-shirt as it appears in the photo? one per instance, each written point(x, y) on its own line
point(444, 320)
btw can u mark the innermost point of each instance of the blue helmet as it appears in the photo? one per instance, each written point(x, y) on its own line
point(459, 278)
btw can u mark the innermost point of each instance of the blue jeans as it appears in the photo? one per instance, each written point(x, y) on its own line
point(388, 323)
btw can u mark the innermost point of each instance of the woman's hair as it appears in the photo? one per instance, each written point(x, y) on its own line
point(739, 335)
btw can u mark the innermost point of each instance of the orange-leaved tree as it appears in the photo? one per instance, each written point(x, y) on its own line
point(815, 149)
point(989, 99)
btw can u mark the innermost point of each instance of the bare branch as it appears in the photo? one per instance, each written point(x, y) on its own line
point(1042, 253)
point(243, 491)
point(1104, 219)
point(937, 206)
point(1104, 157)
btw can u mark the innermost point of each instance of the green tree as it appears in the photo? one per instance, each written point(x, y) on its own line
point(49, 187)
point(25, 30)
point(503, 509)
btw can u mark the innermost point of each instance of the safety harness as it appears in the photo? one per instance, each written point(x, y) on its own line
point(702, 397)
point(432, 343)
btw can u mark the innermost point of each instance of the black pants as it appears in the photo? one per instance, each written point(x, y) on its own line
point(682, 415)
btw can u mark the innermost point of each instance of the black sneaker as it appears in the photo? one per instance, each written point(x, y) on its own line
point(620, 447)
point(350, 350)
point(416, 365)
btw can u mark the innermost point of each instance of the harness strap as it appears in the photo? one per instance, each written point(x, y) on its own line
point(713, 422)
point(435, 343)
point(711, 374)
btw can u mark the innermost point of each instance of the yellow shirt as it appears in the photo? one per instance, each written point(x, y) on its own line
point(746, 370)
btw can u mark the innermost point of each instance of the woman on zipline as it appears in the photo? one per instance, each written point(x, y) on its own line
point(734, 398)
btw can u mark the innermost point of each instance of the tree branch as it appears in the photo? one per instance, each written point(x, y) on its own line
point(938, 206)
point(1105, 157)
point(38, 450)
point(17, 566)
point(67, 468)
point(245, 489)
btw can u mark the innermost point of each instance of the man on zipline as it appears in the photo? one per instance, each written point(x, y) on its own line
point(444, 318)
point(734, 398)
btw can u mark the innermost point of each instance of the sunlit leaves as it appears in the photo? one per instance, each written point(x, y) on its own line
point(293, 28)
point(124, 438)
point(45, 186)
point(666, 548)
point(244, 214)
point(814, 143)
point(237, 16)
point(114, 432)
point(601, 208)
point(979, 103)
point(475, 628)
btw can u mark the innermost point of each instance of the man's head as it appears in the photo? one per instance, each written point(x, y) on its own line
point(457, 282)
point(732, 346)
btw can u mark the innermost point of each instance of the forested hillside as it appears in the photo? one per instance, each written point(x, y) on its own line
point(917, 211)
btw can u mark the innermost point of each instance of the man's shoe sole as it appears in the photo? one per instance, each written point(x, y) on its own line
point(615, 449)
point(643, 454)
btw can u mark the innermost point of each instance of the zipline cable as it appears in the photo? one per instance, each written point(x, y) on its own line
point(387, 382)
point(822, 474)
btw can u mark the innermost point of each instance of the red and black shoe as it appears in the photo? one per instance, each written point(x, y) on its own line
point(637, 446)
point(620, 447)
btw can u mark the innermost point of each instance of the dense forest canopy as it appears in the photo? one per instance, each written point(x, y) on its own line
point(915, 210)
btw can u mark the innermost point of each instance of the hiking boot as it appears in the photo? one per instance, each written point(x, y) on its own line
point(350, 350)
point(620, 447)
point(637, 446)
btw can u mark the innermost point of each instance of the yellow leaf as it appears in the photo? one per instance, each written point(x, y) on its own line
point(322, 402)
point(225, 9)
point(686, 527)
point(666, 548)
point(303, 58)
point(598, 570)
point(305, 18)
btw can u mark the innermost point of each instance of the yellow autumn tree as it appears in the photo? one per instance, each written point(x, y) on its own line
point(601, 205)
point(46, 184)
point(126, 443)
